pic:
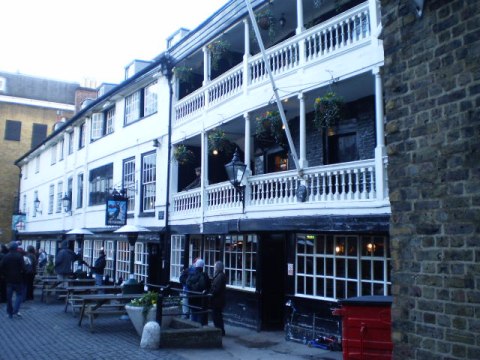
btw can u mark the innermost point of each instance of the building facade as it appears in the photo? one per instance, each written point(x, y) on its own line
point(29, 109)
point(432, 100)
point(308, 219)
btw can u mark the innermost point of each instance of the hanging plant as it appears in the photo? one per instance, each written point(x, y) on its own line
point(218, 142)
point(218, 49)
point(269, 128)
point(266, 22)
point(183, 73)
point(328, 110)
point(183, 155)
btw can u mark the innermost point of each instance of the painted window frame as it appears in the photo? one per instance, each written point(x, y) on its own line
point(148, 182)
point(128, 182)
point(241, 274)
point(177, 253)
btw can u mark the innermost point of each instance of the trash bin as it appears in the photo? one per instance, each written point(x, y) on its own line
point(366, 327)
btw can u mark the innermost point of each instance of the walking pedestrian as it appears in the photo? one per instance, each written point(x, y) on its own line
point(3, 284)
point(30, 271)
point(12, 267)
point(98, 268)
point(200, 283)
point(219, 285)
point(64, 262)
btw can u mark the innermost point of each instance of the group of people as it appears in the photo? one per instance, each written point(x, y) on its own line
point(17, 273)
point(18, 269)
point(197, 285)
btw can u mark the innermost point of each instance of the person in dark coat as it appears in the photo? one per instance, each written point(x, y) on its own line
point(218, 289)
point(3, 284)
point(12, 267)
point(98, 268)
point(31, 272)
point(64, 262)
point(200, 283)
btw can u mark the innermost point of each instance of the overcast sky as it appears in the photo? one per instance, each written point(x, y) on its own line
point(94, 39)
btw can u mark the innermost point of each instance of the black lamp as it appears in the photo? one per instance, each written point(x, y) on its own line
point(235, 171)
point(36, 205)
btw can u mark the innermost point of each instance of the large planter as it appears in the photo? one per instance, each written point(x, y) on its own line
point(135, 313)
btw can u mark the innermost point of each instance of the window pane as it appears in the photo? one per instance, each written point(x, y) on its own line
point(13, 130)
point(149, 170)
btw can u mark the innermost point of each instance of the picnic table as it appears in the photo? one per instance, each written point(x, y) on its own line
point(50, 286)
point(71, 297)
point(94, 305)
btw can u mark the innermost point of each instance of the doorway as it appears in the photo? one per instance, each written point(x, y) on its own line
point(273, 281)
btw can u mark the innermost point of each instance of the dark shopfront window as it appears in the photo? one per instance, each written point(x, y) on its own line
point(101, 182)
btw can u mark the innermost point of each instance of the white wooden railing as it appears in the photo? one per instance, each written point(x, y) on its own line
point(347, 182)
point(346, 30)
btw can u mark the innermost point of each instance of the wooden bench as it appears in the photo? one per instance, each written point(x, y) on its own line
point(93, 311)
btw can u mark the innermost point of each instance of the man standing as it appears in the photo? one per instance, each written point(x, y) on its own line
point(64, 262)
point(198, 282)
point(99, 267)
point(12, 267)
point(219, 284)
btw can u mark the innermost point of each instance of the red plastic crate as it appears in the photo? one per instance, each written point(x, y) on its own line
point(366, 327)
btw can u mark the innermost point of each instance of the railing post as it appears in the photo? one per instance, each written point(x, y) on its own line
point(158, 316)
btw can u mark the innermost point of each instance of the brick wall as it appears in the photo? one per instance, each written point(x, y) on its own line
point(432, 99)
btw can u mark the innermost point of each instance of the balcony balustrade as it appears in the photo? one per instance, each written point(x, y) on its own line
point(340, 33)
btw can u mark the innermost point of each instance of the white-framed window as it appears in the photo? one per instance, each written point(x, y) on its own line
point(53, 154)
point(141, 262)
point(110, 120)
point(334, 267)
point(24, 203)
point(132, 107)
point(59, 196)
point(81, 138)
point(35, 197)
point(97, 126)
point(70, 142)
point(123, 260)
point(129, 182)
point(101, 180)
point(149, 179)
point(150, 99)
point(25, 171)
point(212, 253)
point(240, 260)
point(61, 149)
point(87, 251)
point(79, 191)
point(109, 256)
point(176, 256)
point(51, 198)
point(37, 164)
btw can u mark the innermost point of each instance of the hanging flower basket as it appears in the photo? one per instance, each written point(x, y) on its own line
point(328, 110)
point(269, 129)
point(183, 73)
point(266, 22)
point(183, 155)
point(218, 142)
point(218, 49)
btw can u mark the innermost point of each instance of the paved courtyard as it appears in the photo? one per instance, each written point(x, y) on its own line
point(46, 332)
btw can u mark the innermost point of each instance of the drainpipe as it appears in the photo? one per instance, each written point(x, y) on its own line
point(166, 67)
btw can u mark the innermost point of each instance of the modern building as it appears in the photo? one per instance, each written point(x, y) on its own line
point(30, 109)
point(305, 214)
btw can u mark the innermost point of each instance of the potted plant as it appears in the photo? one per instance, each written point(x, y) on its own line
point(183, 155)
point(218, 142)
point(183, 73)
point(328, 110)
point(142, 310)
point(269, 129)
point(218, 49)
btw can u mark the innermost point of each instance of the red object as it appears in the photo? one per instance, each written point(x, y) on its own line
point(366, 327)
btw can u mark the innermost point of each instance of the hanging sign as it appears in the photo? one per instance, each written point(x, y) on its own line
point(116, 210)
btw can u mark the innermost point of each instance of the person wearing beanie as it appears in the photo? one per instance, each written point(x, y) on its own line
point(12, 267)
point(198, 282)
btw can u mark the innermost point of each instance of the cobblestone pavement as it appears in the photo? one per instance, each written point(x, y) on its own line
point(46, 332)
